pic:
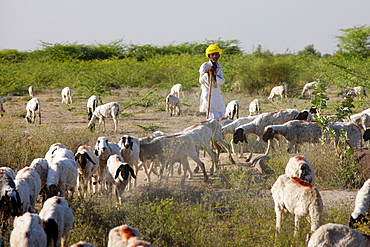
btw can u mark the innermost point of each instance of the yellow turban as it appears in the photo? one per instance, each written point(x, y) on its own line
point(212, 49)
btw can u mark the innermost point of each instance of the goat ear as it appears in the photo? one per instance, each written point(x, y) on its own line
point(366, 135)
point(268, 134)
point(302, 115)
point(96, 152)
point(120, 168)
point(89, 158)
point(132, 173)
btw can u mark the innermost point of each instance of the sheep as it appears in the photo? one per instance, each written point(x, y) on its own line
point(298, 166)
point(88, 165)
point(140, 243)
point(118, 173)
point(24, 194)
point(278, 91)
point(255, 107)
point(362, 206)
point(33, 185)
point(171, 149)
point(103, 149)
point(310, 85)
point(92, 103)
point(57, 219)
point(2, 107)
point(66, 95)
point(109, 110)
point(338, 235)
point(258, 125)
point(28, 231)
point(176, 90)
point(82, 244)
point(42, 167)
point(230, 128)
point(236, 86)
point(362, 120)
point(33, 106)
point(57, 151)
point(232, 110)
point(354, 91)
point(173, 103)
point(130, 148)
point(360, 90)
point(62, 177)
point(293, 195)
point(295, 131)
point(122, 236)
point(31, 91)
point(10, 201)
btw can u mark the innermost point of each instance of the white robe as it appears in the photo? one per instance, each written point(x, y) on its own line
point(217, 102)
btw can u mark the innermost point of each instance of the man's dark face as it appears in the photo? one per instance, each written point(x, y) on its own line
point(214, 56)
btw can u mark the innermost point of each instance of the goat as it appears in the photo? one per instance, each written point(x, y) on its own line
point(258, 125)
point(338, 235)
point(92, 103)
point(66, 95)
point(57, 219)
point(236, 86)
point(88, 165)
point(130, 148)
point(309, 86)
point(278, 91)
point(176, 90)
point(31, 91)
point(42, 167)
point(298, 166)
point(295, 131)
point(352, 130)
point(293, 195)
point(82, 244)
point(122, 236)
point(172, 103)
point(232, 110)
point(255, 107)
point(33, 106)
point(118, 173)
point(109, 110)
point(33, 185)
point(28, 231)
point(104, 149)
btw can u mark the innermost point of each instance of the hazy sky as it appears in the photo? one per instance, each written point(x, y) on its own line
point(277, 25)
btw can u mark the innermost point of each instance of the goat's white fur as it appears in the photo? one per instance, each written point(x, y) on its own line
point(33, 182)
point(353, 133)
point(310, 85)
point(232, 110)
point(66, 95)
point(42, 167)
point(92, 103)
point(33, 106)
point(298, 166)
point(122, 236)
point(362, 204)
point(278, 91)
point(89, 168)
point(31, 91)
point(109, 110)
point(56, 211)
point(255, 107)
point(130, 149)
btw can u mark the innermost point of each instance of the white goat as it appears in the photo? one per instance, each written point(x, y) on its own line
point(118, 173)
point(338, 235)
point(1, 106)
point(298, 166)
point(278, 91)
point(171, 149)
point(299, 198)
point(236, 86)
point(255, 107)
point(362, 206)
point(173, 103)
point(88, 165)
point(66, 95)
point(33, 183)
point(295, 131)
point(57, 219)
point(352, 130)
point(258, 125)
point(58, 151)
point(109, 110)
point(122, 236)
point(33, 106)
point(309, 86)
point(176, 90)
point(360, 90)
point(230, 129)
point(92, 103)
point(42, 167)
point(362, 120)
point(24, 194)
point(130, 149)
point(28, 231)
point(232, 110)
point(104, 149)
point(31, 91)
point(82, 244)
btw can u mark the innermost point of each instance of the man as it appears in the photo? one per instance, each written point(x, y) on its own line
point(212, 69)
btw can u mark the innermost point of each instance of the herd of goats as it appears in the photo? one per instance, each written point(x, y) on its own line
point(106, 166)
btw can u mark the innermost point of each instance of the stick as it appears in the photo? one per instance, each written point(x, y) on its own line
point(210, 78)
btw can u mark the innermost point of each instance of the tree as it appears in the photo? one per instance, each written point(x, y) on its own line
point(355, 41)
point(309, 49)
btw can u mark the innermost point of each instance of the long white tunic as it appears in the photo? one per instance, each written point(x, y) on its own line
point(217, 102)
